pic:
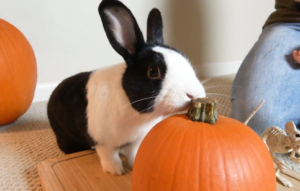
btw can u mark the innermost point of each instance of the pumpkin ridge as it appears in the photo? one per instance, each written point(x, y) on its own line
point(258, 158)
point(237, 160)
point(218, 142)
point(4, 52)
point(180, 139)
point(242, 162)
point(199, 140)
point(251, 171)
point(160, 143)
point(15, 48)
point(173, 135)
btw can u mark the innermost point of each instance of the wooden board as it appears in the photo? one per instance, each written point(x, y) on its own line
point(82, 171)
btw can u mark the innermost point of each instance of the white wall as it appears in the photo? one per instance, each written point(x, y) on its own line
point(67, 35)
point(215, 33)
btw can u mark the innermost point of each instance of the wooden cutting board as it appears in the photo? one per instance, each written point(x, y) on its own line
point(82, 171)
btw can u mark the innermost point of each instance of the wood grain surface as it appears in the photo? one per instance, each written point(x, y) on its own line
point(82, 172)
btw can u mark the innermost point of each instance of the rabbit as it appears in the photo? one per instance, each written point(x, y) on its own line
point(112, 109)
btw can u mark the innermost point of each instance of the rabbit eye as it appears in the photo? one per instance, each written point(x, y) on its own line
point(154, 72)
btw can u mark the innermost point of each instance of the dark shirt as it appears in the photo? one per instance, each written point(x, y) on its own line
point(286, 11)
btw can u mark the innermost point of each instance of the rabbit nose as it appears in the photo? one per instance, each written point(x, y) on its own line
point(190, 96)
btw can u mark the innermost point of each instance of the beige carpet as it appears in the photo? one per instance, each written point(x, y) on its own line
point(30, 140)
point(22, 145)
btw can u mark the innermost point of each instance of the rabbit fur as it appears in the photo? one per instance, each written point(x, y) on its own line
point(113, 108)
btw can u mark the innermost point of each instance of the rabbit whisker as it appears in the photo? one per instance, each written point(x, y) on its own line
point(143, 99)
point(135, 114)
point(221, 95)
point(216, 86)
point(205, 80)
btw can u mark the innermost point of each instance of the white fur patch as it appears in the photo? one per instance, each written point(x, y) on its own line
point(111, 119)
point(180, 80)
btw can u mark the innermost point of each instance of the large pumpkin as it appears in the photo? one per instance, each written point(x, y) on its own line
point(18, 73)
point(181, 155)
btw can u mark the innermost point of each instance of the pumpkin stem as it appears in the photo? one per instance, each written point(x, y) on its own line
point(203, 110)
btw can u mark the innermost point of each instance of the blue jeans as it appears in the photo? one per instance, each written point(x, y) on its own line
point(269, 73)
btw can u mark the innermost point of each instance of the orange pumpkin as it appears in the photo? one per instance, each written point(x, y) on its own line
point(179, 155)
point(18, 73)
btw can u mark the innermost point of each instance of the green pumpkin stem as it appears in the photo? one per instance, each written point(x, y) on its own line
point(203, 110)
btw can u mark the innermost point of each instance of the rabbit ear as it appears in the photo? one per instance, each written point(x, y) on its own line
point(121, 28)
point(155, 27)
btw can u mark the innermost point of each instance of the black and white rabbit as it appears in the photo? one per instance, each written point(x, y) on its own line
point(113, 108)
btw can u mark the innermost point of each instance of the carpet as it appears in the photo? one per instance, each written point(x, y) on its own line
point(30, 140)
point(23, 144)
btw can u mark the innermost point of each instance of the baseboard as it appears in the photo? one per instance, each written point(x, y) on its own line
point(218, 69)
point(43, 91)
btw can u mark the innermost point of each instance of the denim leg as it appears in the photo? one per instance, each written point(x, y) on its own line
point(269, 73)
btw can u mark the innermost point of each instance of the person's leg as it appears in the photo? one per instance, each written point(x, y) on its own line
point(269, 73)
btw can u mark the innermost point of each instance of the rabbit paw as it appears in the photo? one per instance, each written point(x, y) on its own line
point(115, 168)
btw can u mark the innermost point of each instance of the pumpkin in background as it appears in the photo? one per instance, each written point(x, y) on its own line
point(18, 73)
point(182, 155)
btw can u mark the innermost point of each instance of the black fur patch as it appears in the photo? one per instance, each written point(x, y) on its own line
point(136, 83)
point(155, 27)
point(67, 114)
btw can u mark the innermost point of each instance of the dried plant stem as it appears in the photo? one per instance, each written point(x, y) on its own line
point(254, 112)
